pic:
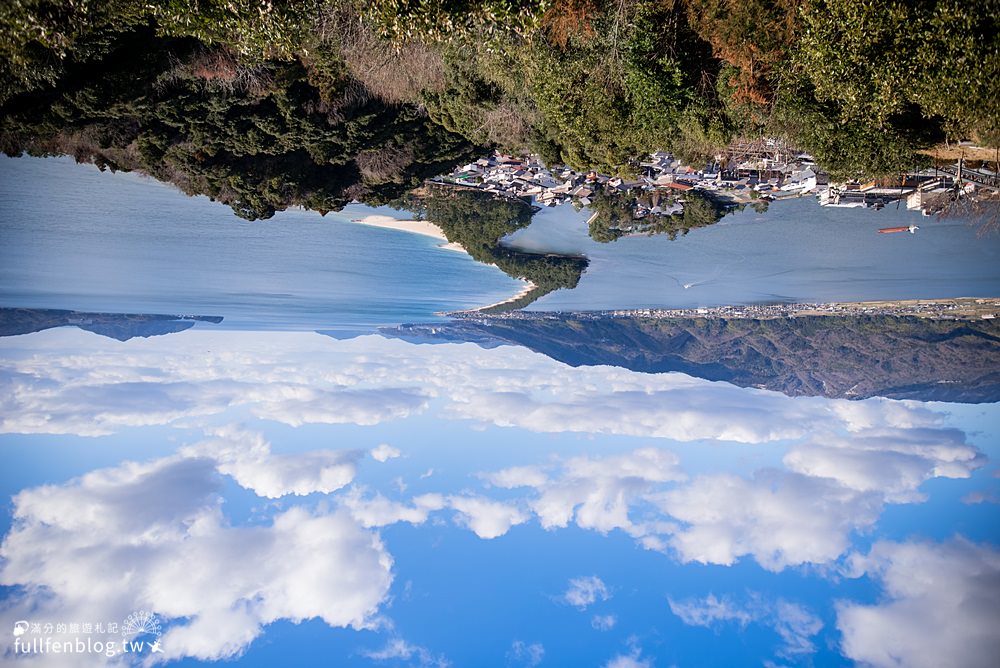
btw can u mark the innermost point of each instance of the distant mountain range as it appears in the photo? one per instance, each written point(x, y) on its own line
point(829, 356)
point(120, 326)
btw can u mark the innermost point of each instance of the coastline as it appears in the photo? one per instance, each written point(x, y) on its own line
point(528, 287)
point(952, 308)
point(421, 227)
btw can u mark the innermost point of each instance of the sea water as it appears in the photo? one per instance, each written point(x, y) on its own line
point(797, 251)
point(72, 237)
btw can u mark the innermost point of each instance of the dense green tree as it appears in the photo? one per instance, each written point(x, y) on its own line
point(614, 216)
point(875, 59)
point(479, 221)
point(260, 144)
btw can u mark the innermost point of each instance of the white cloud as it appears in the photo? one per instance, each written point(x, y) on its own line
point(833, 486)
point(517, 476)
point(71, 382)
point(595, 492)
point(603, 622)
point(631, 660)
point(398, 649)
point(709, 611)
point(523, 654)
point(159, 526)
point(893, 462)
point(939, 606)
point(585, 591)
point(795, 625)
point(849, 458)
point(378, 511)
point(779, 518)
point(247, 457)
point(384, 452)
point(485, 517)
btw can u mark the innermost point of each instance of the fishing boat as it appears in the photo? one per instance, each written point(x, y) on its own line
point(906, 228)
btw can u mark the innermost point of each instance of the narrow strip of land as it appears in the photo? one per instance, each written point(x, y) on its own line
point(958, 308)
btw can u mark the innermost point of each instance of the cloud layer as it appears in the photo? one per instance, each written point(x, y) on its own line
point(939, 606)
point(153, 536)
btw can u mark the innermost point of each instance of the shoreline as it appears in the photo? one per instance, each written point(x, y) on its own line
point(528, 287)
point(422, 227)
point(951, 308)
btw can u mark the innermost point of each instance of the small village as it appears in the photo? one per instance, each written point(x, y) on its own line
point(966, 308)
point(760, 171)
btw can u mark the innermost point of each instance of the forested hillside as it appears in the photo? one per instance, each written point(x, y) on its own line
point(267, 104)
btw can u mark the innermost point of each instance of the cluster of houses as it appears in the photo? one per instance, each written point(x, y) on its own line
point(964, 308)
point(754, 172)
point(661, 177)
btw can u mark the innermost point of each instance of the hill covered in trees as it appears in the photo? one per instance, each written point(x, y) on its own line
point(268, 104)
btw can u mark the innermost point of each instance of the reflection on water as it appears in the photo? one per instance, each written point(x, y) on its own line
point(374, 502)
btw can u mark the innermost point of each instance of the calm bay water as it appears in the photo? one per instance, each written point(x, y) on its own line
point(74, 238)
point(797, 251)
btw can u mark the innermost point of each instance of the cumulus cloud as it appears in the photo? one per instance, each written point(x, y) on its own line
point(939, 606)
point(246, 457)
point(159, 526)
point(794, 624)
point(523, 654)
point(595, 492)
point(384, 452)
point(378, 511)
point(831, 487)
point(893, 462)
point(485, 517)
point(779, 518)
point(585, 591)
point(397, 650)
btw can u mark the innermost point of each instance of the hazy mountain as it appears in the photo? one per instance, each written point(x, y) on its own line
point(121, 326)
point(848, 357)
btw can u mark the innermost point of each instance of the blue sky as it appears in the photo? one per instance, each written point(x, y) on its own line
point(371, 502)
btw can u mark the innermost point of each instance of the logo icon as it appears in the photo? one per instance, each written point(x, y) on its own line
point(20, 628)
point(154, 647)
point(141, 623)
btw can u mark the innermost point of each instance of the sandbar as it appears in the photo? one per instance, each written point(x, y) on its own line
point(421, 227)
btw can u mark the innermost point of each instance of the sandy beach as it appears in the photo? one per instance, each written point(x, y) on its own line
point(421, 227)
point(528, 287)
